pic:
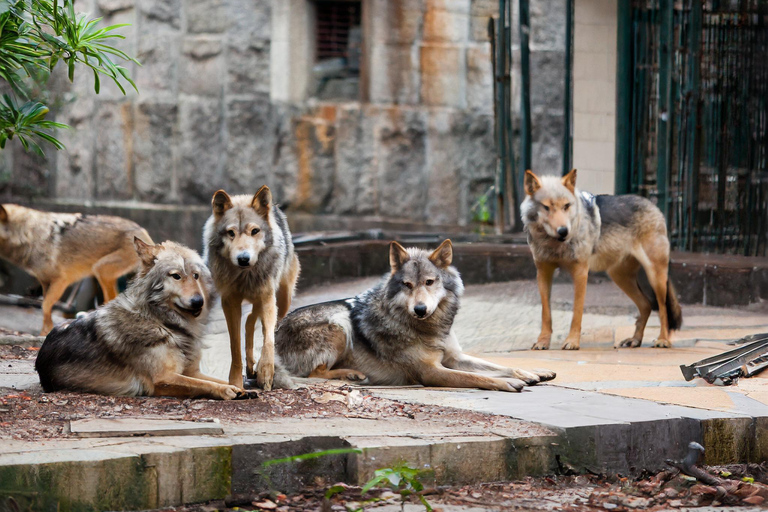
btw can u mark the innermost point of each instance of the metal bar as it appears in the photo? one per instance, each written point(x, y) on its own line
point(514, 196)
point(501, 156)
point(568, 97)
point(666, 106)
point(624, 96)
point(525, 88)
point(694, 150)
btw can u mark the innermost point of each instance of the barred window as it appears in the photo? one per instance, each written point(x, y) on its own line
point(338, 49)
point(335, 20)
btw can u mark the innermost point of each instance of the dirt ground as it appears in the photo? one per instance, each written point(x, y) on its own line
point(582, 493)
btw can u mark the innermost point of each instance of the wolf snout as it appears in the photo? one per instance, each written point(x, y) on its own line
point(243, 259)
point(196, 302)
point(562, 231)
point(420, 310)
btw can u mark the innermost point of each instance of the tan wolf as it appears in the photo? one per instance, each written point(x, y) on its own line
point(398, 332)
point(579, 232)
point(61, 248)
point(147, 341)
point(248, 247)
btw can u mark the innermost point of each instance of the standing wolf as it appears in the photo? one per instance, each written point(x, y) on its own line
point(148, 341)
point(398, 332)
point(61, 248)
point(250, 252)
point(580, 232)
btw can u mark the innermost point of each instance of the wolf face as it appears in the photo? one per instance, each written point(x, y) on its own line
point(417, 281)
point(243, 227)
point(551, 203)
point(179, 279)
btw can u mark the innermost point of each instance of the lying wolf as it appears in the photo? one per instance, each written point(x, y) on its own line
point(148, 341)
point(61, 248)
point(398, 332)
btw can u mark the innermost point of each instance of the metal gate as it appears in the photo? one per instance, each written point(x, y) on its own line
point(697, 130)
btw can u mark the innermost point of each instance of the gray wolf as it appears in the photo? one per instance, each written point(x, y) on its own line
point(397, 333)
point(61, 248)
point(579, 232)
point(248, 247)
point(147, 341)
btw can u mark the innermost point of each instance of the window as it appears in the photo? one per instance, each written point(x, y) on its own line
point(338, 45)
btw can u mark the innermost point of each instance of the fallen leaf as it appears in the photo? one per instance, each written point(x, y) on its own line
point(266, 505)
point(754, 500)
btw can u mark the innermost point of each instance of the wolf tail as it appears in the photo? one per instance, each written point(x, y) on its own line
point(674, 313)
point(282, 378)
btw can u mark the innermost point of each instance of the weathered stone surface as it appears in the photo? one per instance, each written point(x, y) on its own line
point(248, 67)
point(548, 25)
point(109, 7)
point(251, 144)
point(547, 81)
point(459, 6)
point(201, 170)
point(155, 137)
point(315, 140)
point(355, 182)
point(444, 26)
point(114, 141)
point(206, 16)
point(446, 199)
point(401, 154)
point(160, 16)
point(443, 79)
point(394, 74)
point(480, 78)
point(159, 56)
point(480, 12)
point(547, 142)
point(396, 21)
point(202, 66)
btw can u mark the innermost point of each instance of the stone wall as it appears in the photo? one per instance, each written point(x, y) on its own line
point(211, 114)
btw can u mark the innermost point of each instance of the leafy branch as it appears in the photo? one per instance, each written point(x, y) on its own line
point(35, 35)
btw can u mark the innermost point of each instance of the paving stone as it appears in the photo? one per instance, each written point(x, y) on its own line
point(129, 427)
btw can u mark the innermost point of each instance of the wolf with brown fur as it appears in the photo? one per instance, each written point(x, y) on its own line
point(148, 341)
point(249, 250)
point(579, 232)
point(61, 248)
point(398, 332)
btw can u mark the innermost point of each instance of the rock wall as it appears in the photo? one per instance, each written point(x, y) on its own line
point(420, 148)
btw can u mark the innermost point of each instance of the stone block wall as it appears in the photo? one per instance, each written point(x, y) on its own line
point(221, 106)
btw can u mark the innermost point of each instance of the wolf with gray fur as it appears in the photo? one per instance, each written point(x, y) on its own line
point(248, 247)
point(148, 341)
point(574, 230)
point(59, 249)
point(399, 332)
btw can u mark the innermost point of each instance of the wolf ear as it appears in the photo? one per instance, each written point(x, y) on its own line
point(397, 256)
point(532, 183)
point(147, 253)
point(221, 202)
point(3, 214)
point(262, 201)
point(569, 181)
point(443, 255)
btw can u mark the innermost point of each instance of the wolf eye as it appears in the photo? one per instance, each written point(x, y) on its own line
point(430, 282)
point(545, 207)
point(176, 276)
point(567, 205)
point(255, 231)
point(408, 285)
point(195, 275)
point(231, 233)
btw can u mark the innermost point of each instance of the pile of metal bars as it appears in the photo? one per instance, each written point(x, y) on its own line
point(724, 369)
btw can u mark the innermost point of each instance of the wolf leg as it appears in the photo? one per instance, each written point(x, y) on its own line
point(51, 294)
point(657, 270)
point(287, 286)
point(232, 312)
point(265, 370)
point(544, 273)
point(109, 269)
point(250, 330)
point(322, 372)
point(181, 386)
point(196, 374)
point(439, 376)
point(579, 271)
point(625, 277)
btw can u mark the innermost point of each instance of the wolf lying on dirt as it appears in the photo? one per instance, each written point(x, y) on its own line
point(398, 332)
point(148, 341)
point(61, 248)
point(580, 232)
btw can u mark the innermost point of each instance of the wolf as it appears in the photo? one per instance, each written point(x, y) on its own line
point(398, 332)
point(248, 247)
point(148, 341)
point(61, 248)
point(574, 230)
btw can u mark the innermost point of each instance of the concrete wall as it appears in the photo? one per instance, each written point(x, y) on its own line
point(594, 93)
point(222, 105)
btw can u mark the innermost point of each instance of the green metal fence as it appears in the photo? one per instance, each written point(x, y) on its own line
point(693, 118)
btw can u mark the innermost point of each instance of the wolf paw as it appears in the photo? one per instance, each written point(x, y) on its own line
point(529, 378)
point(544, 375)
point(355, 376)
point(265, 374)
point(250, 372)
point(229, 392)
point(628, 343)
point(513, 385)
point(662, 343)
point(541, 345)
point(571, 345)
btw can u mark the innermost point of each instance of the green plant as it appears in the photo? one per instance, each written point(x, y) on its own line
point(401, 479)
point(35, 35)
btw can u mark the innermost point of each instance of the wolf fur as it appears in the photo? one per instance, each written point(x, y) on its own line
point(579, 232)
point(397, 333)
point(249, 250)
point(147, 341)
point(61, 248)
